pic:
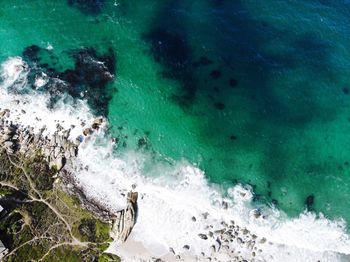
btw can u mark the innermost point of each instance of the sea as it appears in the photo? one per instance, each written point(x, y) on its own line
point(203, 100)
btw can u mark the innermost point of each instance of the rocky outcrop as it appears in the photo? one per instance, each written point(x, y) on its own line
point(125, 219)
point(57, 149)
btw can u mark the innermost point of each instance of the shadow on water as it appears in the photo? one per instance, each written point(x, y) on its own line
point(239, 42)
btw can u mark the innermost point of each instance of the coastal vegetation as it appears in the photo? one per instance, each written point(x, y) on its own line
point(42, 221)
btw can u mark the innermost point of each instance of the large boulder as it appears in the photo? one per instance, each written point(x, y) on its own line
point(125, 219)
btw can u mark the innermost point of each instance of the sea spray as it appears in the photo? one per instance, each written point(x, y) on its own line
point(178, 207)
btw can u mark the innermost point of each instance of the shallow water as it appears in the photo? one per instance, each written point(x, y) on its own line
point(250, 91)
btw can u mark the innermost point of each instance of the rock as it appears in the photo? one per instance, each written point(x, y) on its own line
point(245, 231)
point(224, 223)
point(87, 131)
point(132, 197)
point(80, 139)
point(125, 219)
point(203, 236)
point(205, 215)
point(187, 247)
point(220, 231)
point(263, 240)
point(142, 142)
point(218, 244)
point(226, 248)
point(8, 144)
point(4, 113)
point(57, 152)
point(309, 201)
point(212, 249)
point(257, 213)
point(97, 123)
point(194, 219)
point(225, 236)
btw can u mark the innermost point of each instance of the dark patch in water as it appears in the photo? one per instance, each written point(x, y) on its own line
point(219, 105)
point(275, 202)
point(203, 61)
point(88, 79)
point(171, 49)
point(345, 90)
point(90, 7)
point(257, 197)
point(233, 82)
point(217, 3)
point(264, 24)
point(31, 53)
point(215, 74)
point(142, 142)
point(233, 137)
point(309, 201)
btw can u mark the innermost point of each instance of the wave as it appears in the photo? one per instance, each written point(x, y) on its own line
point(178, 210)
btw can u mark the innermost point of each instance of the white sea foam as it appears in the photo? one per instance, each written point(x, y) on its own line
point(30, 107)
point(168, 203)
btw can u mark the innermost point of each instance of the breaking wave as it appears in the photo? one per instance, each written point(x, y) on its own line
point(178, 206)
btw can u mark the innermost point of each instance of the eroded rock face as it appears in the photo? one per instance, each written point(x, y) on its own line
point(125, 219)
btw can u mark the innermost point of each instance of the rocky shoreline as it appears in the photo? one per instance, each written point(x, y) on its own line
point(59, 151)
point(227, 240)
point(230, 242)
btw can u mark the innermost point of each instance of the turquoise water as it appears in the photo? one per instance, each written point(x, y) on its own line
point(251, 91)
